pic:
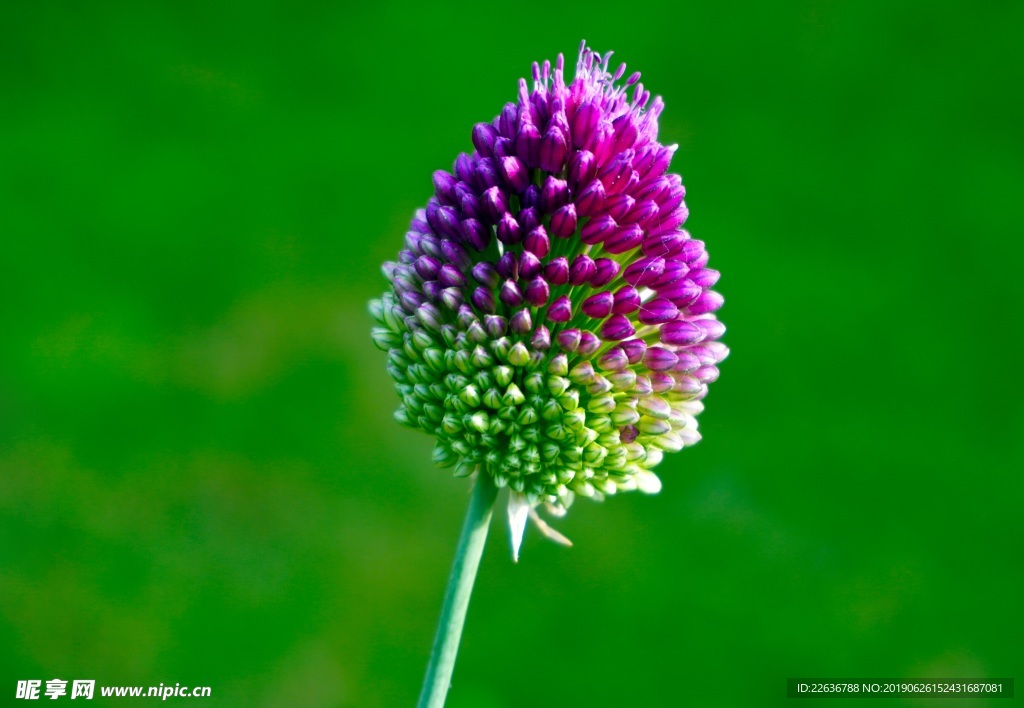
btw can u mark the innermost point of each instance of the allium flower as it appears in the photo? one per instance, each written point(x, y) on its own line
point(549, 320)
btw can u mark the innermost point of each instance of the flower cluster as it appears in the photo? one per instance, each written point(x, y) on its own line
point(549, 320)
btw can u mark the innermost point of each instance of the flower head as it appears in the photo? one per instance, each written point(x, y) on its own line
point(549, 320)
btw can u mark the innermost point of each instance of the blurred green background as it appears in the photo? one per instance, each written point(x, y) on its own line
point(200, 478)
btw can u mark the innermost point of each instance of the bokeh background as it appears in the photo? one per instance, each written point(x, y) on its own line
point(200, 478)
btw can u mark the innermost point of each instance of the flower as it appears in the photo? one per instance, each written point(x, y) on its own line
point(549, 320)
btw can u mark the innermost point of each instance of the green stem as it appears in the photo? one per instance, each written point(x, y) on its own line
point(460, 587)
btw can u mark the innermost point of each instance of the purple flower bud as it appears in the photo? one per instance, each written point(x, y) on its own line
point(563, 221)
point(618, 205)
point(583, 123)
point(625, 239)
point(537, 242)
point(706, 374)
point(541, 339)
point(530, 197)
point(503, 148)
point(626, 300)
point(508, 266)
point(568, 339)
point(450, 276)
point(475, 234)
point(643, 213)
point(659, 359)
point(537, 292)
point(529, 219)
point(552, 150)
point(560, 310)
point(484, 136)
point(508, 231)
point(672, 198)
point(529, 266)
point(464, 167)
point(554, 194)
point(444, 221)
point(471, 208)
point(598, 305)
point(644, 272)
point(605, 271)
point(662, 159)
point(589, 343)
point(687, 362)
point(658, 311)
point(681, 293)
point(582, 269)
point(666, 245)
point(485, 175)
point(456, 255)
point(625, 132)
point(674, 271)
point(613, 360)
point(704, 277)
point(528, 145)
point(430, 316)
point(427, 267)
point(591, 199)
point(486, 274)
point(495, 325)
point(452, 298)
point(681, 333)
point(713, 329)
point(507, 120)
point(691, 250)
point(617, 327)
point(598, 229)
point(709, 301)
point(635, 349)
point(483, 300)
point(669, 221)
point(411, 301)
point(521, 322)
point(510, 294)
point(556, 271)
point(514, 172)
point(652, 188)
point(432, 289)
point(444, 186)
point(582, 168)
point(687, 384)
point(495, 204)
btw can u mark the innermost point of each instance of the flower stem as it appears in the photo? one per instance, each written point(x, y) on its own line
point(460, 587)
